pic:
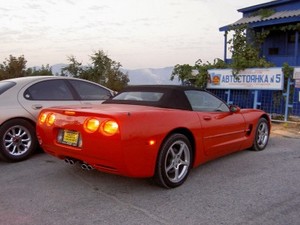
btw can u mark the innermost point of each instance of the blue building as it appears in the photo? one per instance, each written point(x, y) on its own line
point(282, 19)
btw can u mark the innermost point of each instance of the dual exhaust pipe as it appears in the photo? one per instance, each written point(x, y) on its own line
point(83, 166)
point(70, 161)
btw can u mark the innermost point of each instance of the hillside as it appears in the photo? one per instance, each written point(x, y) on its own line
point(139, 76)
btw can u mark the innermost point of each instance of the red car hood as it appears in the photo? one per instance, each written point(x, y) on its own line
point(243, 111)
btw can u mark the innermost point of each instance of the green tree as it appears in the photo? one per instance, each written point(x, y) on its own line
point(183, 72)
point(101, 66)
point(42, 71)
point(102, 70)
point(74, 69)
point(245, 48)
point(196, 75)
point(202, 75)
point(115, 78)
point(2, 73)
point(13, 67)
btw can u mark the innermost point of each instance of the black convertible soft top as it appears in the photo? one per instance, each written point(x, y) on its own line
point(173, 96)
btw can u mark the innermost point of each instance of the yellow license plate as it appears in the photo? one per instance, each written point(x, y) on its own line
point(70, 137)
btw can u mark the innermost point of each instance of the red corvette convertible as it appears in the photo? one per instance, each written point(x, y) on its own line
point(151, 131)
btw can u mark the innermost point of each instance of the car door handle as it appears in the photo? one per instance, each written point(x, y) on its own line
point(37, 106)
point(207, 117)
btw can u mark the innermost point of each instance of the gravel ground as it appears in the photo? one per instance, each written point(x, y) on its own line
point(286, 129)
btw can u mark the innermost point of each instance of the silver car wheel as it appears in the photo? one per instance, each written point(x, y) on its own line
point(177, 161)
point(174, 161)
point(17, 140)
point(262, 134)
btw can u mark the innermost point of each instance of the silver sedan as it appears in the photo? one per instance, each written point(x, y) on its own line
point(21, 99)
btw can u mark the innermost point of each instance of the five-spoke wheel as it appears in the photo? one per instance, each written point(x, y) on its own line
point(174, 161)
point(262, 134)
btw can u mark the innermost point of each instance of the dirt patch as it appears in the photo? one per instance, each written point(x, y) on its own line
point(290, 129)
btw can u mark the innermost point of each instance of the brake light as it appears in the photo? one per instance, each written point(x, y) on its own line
point(109, 128)
point(42, 118)
point(50, 119)
point(91, 125)
point(70, 113)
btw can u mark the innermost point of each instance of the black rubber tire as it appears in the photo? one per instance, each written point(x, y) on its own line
point(262, 134)
point(17, 140)
point(174, 156)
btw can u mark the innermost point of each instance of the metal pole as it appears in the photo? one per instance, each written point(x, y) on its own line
point(296, 46)
point(287, 95)
point(255, 102)
point(228, 97)
point(225, 47)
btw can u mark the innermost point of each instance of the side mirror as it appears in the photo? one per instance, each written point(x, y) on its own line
point(234, 109)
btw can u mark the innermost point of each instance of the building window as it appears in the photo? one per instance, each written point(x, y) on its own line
point(273, 51)
point(291, 38)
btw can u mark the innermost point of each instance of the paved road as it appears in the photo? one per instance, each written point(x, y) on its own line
point(243, 188)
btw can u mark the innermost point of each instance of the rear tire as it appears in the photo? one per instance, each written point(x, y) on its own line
point(262, 134)
point(173, 162)
point(17, 140)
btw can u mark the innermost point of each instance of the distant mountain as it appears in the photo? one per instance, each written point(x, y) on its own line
point(137, 76)
point(56, 69)
point(151, 76)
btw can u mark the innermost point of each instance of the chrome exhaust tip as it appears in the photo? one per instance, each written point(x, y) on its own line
point(83, 166)
point(89, 167)
point(86, 166)
point(70, 161)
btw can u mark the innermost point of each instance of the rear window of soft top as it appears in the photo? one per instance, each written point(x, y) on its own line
point(139, 96)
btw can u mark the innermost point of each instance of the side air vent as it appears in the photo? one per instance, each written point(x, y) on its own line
point(249, 129)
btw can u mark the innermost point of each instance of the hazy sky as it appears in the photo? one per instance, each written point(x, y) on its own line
point(136, 33)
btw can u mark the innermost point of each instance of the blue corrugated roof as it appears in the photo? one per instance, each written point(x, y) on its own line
point(275, 16)
point(279, 17)
point(288, 16)
point(265, 5)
